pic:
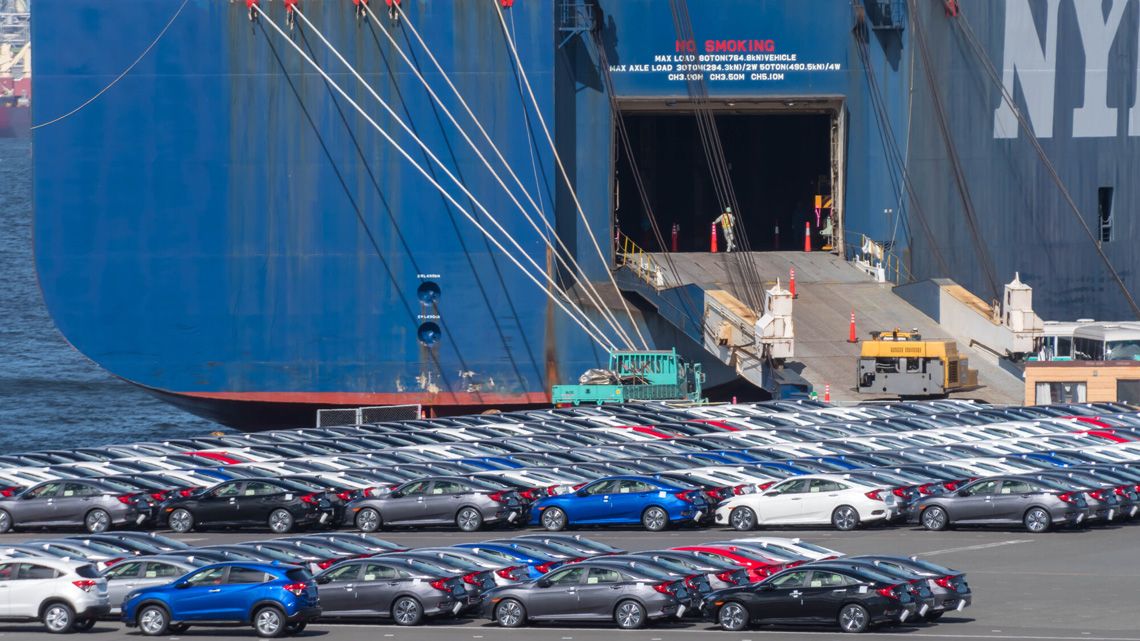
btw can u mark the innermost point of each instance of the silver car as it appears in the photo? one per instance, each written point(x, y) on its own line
point(96, 506)
point(1036, 503)
point(595, 590)
point(466, 503)
point(126, 576)
point(371, 588)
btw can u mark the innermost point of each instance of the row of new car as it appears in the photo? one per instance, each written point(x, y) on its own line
point(278, 586)
point(776, 463)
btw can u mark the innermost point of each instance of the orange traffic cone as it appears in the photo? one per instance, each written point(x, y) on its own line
point(792, 283)
point(827, 393)
point(712, 244)
point(851, 334)
point(807, 236)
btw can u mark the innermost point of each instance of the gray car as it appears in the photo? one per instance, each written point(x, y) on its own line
point(371, 588)
point(127, 576)
point(1036, 503)
point(96, 506)
point(466, 503)
point(595, 590)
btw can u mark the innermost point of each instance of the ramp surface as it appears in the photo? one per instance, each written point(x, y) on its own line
point(829, 289)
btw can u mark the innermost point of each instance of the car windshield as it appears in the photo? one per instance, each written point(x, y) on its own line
point(87, 571)
point(298, 574)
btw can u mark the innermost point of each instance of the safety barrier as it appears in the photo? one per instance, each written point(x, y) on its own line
point(630, 254)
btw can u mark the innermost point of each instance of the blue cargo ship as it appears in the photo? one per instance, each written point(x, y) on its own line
point(227, 214)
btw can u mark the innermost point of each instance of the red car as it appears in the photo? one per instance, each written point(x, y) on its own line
point(759, 568)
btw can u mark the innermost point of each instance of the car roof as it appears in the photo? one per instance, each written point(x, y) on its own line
point(265, 567)
point(57, 563)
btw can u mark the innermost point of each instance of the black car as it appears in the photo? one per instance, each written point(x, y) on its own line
point(853, 598)
point(279, 505)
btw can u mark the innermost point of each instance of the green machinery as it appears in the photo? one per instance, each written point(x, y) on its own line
point(636, 376)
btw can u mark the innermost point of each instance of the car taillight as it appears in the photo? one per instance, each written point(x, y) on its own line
point(345, 495)
point(9, 491)
point(742, 489)
point(713, 494)
point(126, 499)
point(543, 568)
point(899, 492)
point(760, 487)
point(326, 563)
point(664, 587)
point(950, 485)
point(441, 585)
point(793, 564)
point(758, 574)
point(1097, 494)
point(925, 489)
point(726, 576)
point(578, 486)
point(684, 496)
point(158, 496)
point(532, 494)
point(472, 578)
point(508, 573)
point(552, 490)
point(1067, 497)
point(498, 497)
point(945, 582)
point(690, 582)
point(187, 492)
point(890, 593)
point(109, 562)
point(874, 495)
point(84, 584)
point(297, 588)
point(311, 499)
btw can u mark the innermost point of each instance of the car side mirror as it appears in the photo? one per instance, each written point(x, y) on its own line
point(765, 587)
point(182, 586)
point(395, 494)
point(323, 580)
point(963, 493)
point(542, 583)
point(580, 493)
point(771, 493)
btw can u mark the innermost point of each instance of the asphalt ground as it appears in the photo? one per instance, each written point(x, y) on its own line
point(1065, 585)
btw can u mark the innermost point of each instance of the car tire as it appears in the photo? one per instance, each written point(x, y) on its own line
point(854, 618)
point(181, 520)
point(629, 615)
point(295, 628)
point(58, 617)
point(845, 518)
point(733, 616)
point(97, 521)
point(153, 621)
point(280, 521)
point(934, 616)
point(83, 625)
point(269, 622)
point(368, 520)
point(407, 611)
point(510, 613)
point(5, 522)
point(654, 519)
point(1037, 520)
point(469, 519)
point(554, 519)
point(934, 518)
point(742, 518)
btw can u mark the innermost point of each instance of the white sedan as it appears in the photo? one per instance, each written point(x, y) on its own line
point(809, 500)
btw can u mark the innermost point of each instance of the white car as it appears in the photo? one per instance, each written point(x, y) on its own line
point(809, 500)
point(66, 595)
point(795, 546)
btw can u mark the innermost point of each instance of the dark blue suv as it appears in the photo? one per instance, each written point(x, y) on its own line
point(274, 599)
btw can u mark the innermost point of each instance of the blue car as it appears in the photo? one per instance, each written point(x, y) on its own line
point(623, 500)
point(536, 564)
point(274, 599)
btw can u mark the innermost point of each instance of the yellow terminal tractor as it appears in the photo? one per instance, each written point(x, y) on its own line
point(898, 362)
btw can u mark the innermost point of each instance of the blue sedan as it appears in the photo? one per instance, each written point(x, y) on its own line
point(623, 500)
point(274, 599)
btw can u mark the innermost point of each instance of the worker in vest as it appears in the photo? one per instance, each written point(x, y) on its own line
point(727, 222)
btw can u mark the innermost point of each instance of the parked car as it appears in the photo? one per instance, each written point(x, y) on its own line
point(128, 576)
point(467, 503)
point(654, 503)
point(66, 595)
point(844, 502)
point(274, 599)
point(403, 592)
point(94, 505)
point(1035, 503)
point(279, 505)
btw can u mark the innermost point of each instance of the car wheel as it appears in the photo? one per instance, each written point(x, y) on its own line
point(280, 521)
point(554, 519)
point(269, 622)
point(742, 518)
point(733, 617)
point(153, 621)
point(97, 521)
point(1037, 520)
point(510, 614)
point(5, 521)
point(845, 518)
point(181, 520)
point(934, 518)
point(368, 520)
point(853, 618)
point(629, 615)
point(407, 611)
point(469, 519)
point(58, 618)
point(294, 628)
point(654, 519)
point(934, 616)
point(82, 625)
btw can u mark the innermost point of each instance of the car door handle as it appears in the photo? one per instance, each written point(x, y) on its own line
point(214, 590)
point(796, 499)
point(839, 590)
point(615, 587)
point(393, 583)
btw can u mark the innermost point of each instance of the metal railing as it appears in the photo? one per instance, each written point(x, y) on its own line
point(877, 256)
point(630, 254)
point(364, 415)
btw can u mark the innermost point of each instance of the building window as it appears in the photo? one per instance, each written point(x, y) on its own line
point(1104, 209)
point(1060, 393)
point(1128, 391)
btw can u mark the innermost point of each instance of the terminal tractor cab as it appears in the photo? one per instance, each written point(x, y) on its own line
point(903, 364)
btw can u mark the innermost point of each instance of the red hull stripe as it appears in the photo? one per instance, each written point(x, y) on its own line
point(368, 398)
